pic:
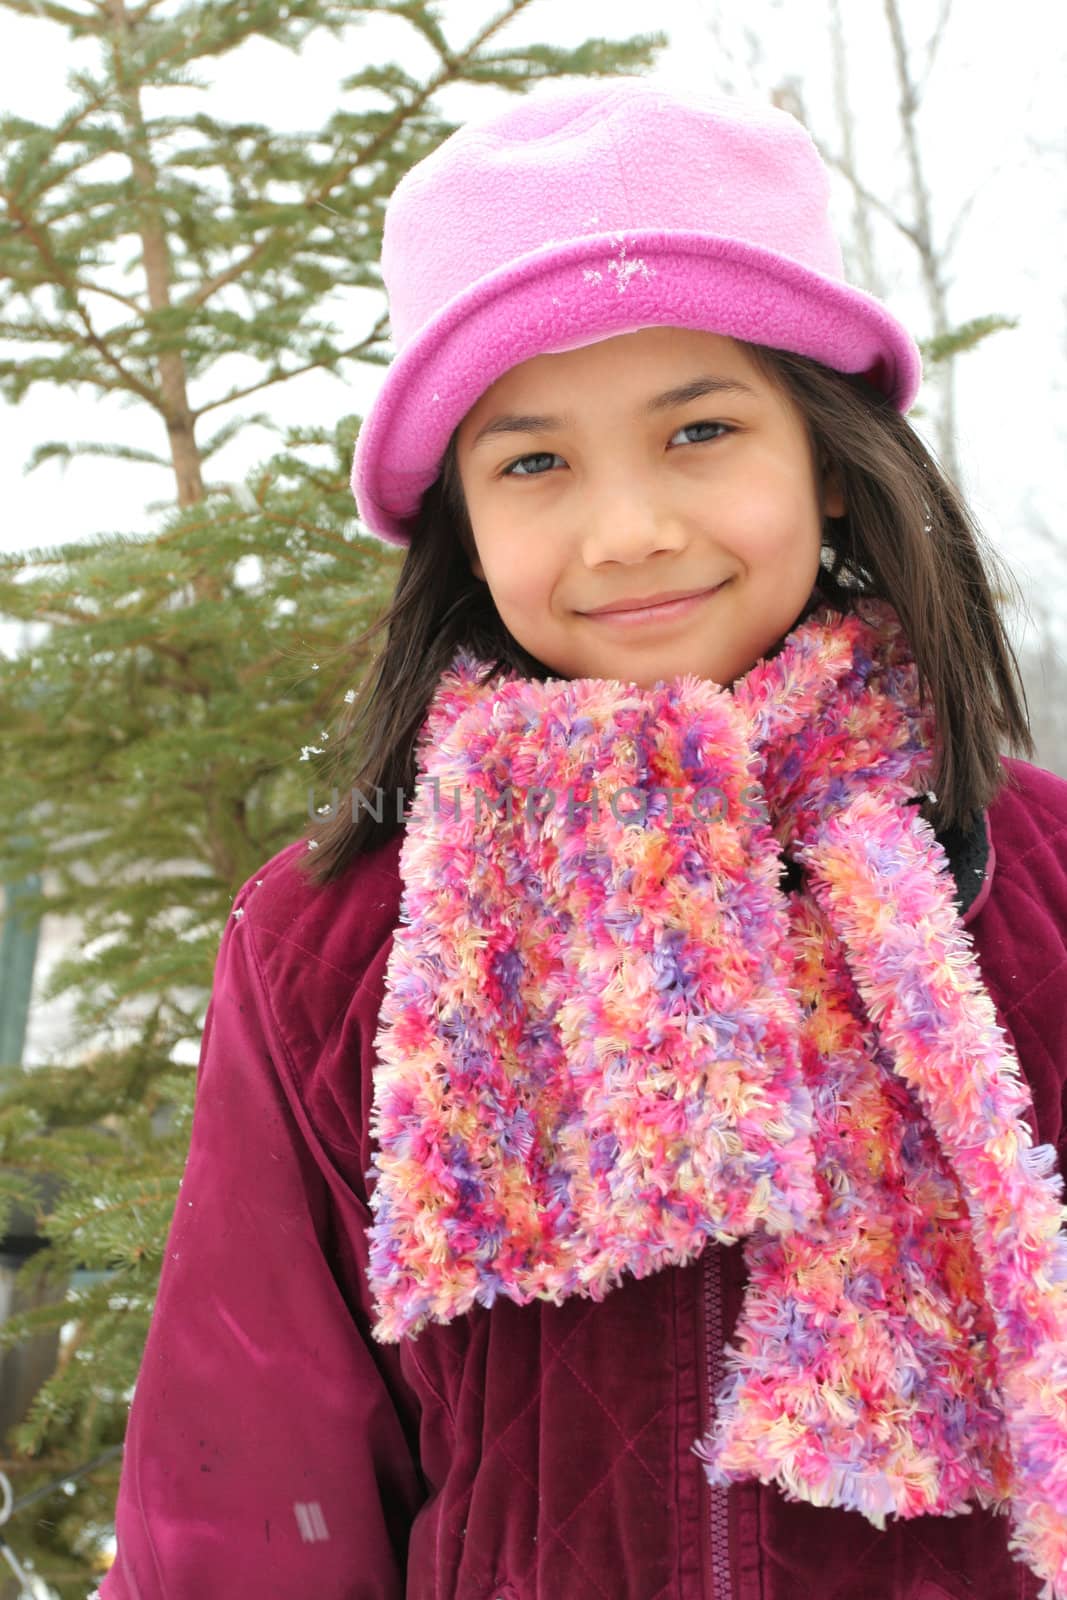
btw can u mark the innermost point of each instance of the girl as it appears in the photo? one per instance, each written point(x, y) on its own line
point(624, 1154)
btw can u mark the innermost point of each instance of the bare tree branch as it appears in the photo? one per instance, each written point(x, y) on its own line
point(861, 204)
point(933, 47)
point(869, 197)
point(956, 226)
point(930, 263)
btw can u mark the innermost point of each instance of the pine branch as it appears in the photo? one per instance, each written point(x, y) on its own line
point(271, 379)
point(373, 151)
point(222, 437)
point(954, 341)
point(59, 275)
point(77, 21)
point(125, 300)
point(65, 453)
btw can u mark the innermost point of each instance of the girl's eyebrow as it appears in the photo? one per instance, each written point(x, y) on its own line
point(695, 389)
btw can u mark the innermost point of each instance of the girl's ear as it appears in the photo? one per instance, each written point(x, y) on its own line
point(477, 569)
point(833, 499)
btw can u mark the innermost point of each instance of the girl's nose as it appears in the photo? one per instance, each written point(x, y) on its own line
point(629, 529)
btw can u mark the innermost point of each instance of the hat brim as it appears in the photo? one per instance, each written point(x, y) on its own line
point(561, 296)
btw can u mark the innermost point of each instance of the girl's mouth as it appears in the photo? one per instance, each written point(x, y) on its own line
point(644, 616)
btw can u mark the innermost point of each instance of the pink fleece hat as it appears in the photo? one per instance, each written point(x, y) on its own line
point(596, 207)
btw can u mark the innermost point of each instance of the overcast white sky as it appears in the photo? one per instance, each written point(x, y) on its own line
point(993, 106)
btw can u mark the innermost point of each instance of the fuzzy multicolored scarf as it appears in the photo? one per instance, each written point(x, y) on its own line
point(609, 1038)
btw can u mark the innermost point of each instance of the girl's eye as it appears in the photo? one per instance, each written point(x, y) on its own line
point(511, 471)
point(724, 427)
point(544, 455)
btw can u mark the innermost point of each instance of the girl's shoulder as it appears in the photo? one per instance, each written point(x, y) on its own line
point(281, 896)
point(1021, 935)
point(1022, 931)
point(1028, 820)
point(1026, 779)
point(1027, 870)
point(311, 970)
point(313, 946)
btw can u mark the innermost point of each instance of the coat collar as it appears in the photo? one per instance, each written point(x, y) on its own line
point(972, 859)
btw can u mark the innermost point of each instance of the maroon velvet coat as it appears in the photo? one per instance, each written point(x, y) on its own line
point(276, 1450)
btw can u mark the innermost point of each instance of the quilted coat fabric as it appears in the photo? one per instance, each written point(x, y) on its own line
point(519, 1453)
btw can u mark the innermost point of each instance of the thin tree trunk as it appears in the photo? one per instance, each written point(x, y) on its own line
point(180, 423)
point(861, 222)
point(930, 265)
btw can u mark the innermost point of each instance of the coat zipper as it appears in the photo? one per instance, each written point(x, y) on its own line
point(718, 1505)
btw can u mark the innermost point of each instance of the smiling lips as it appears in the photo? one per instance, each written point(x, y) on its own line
point(632, 613)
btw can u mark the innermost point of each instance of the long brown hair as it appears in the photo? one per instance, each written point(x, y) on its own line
point(907, 537)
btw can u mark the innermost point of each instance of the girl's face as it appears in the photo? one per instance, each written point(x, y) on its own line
point(626, 490)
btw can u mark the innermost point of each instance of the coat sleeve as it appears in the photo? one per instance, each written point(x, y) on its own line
point(269, 1448)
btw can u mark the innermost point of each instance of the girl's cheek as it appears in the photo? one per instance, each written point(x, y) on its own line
point(521, 581)
point(766, 521)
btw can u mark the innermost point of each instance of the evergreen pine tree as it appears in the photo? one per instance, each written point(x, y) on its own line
point(153, 734)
